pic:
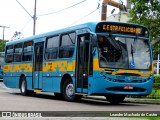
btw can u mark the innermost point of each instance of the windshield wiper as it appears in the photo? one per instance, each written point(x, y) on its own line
point(132, 53)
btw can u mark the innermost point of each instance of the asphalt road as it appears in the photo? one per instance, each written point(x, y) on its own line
point(12, 100)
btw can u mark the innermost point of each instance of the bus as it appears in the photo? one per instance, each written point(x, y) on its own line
point(110, 59)
point(1, 64)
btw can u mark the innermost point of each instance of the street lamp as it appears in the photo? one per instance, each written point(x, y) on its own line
point(3, 35)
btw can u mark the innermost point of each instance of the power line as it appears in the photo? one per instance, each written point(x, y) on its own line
point(33, 17)
point(25, 24)
point(63, 9)
point(86, 15)
point(24, 9)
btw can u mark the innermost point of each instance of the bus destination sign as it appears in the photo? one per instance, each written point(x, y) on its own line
point(119, 28)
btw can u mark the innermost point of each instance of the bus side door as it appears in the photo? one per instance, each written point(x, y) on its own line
point(83, 64)
point(38, 64)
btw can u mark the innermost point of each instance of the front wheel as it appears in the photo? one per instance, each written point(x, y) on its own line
point(115, 99)
point(68, 91)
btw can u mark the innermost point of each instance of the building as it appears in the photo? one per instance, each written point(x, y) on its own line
point(122, 17)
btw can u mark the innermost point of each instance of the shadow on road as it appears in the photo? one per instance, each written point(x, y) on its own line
point(87, 101)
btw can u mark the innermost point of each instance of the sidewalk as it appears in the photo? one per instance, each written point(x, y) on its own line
point(129, 100)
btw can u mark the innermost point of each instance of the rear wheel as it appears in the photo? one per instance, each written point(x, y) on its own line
point(23, 87)
point(68, 91)
point(115, 99)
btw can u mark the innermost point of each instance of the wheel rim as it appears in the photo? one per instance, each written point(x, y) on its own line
point(23, 86)
point(69, 90)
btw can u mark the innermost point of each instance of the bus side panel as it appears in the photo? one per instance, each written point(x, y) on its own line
point(11, 81)
point(90, 83)
point(47, 84)
point(56, 84)
point(29, 82)
point(51, 84)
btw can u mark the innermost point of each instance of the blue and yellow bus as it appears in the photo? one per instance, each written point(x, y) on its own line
point(1, 64)
point(108, 59)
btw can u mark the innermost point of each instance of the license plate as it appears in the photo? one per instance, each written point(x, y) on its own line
point(128, 87)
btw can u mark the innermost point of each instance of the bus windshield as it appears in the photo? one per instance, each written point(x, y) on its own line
point(124, 52)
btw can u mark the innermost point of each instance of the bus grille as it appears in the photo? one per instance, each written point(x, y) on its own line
point(129, 81)
point(121, 89)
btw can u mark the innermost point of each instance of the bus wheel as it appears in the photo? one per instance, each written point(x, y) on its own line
point(23, 87)
point(68, 91)
point(115, 99)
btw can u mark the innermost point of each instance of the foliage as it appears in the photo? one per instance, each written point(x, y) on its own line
point(147, 13)
point(155, 94)
point(156, 88)
point(2, 45)
point(157, 79)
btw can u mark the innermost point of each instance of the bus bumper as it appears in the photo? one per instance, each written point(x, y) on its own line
point(102, 86)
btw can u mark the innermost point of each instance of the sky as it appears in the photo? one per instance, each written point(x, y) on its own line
point(17, 19)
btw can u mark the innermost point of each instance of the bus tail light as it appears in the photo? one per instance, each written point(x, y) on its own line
point(85, 75)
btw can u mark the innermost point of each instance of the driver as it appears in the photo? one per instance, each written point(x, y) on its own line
point(101, 43)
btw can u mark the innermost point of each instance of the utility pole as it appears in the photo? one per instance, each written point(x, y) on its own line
point(33, 17)
point(3, 35)
point(112, 3)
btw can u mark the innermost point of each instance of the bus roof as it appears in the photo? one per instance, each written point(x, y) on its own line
point(90, 25)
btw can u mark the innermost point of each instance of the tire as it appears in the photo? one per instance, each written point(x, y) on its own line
point(115, 99)
point(68, 91)
point(23, 87)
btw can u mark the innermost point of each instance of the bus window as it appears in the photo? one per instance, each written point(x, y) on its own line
point(27, 51)
point(67, 45)
point(9, 54)
point(18, 53)
point(52, 47)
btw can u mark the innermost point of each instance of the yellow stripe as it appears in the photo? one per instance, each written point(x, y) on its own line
point(121, 71)
point(61, 66)
point(37, 90)
point(17, 68)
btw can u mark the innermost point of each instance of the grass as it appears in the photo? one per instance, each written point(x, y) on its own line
point(155, 94)
point(155, 101)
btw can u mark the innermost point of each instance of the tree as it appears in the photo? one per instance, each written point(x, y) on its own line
point(2, 45)
point(147, 13)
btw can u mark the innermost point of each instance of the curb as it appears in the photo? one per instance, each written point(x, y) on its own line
point(128, 100)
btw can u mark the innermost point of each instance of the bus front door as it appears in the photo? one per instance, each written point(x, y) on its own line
point(38, 64)
point(82, 64)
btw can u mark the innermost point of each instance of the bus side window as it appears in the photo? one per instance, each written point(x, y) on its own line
point(28, 51)
point(52, 48)
point(67, 45)
point(17, 53)
point(9, 54)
